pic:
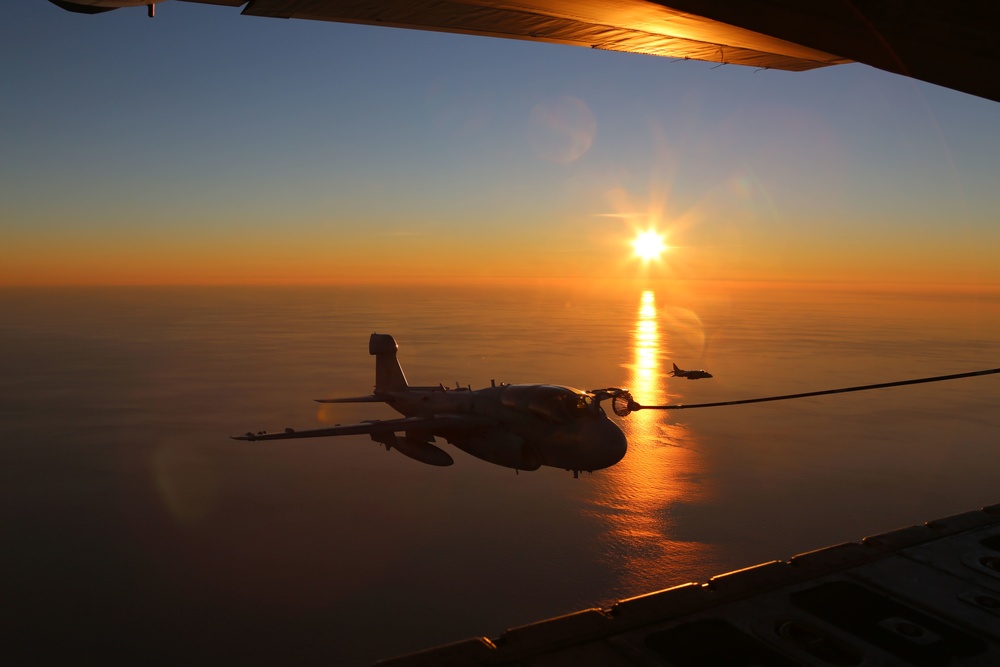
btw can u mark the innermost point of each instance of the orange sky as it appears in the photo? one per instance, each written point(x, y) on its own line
point(601, 257)
point(439, 158)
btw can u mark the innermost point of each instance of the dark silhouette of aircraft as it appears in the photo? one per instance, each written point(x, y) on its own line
point(690, 375)
point(523, 426)
point(944, 42)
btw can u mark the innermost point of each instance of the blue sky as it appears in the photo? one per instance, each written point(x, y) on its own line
point(202, 133)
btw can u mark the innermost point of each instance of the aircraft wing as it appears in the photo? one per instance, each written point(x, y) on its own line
point(632, 26)
point(438, 424)
point(948, 43)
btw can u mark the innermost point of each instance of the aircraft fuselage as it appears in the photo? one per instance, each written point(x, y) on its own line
point(523, 426)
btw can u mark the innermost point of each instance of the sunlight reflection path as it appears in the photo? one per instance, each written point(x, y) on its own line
point(642, 499)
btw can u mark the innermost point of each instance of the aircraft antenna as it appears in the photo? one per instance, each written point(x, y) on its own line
point(623, 404)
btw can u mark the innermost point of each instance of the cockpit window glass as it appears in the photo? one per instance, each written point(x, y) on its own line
point(557, 404)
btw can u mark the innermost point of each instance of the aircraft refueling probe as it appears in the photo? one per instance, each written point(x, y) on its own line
point(623, 404)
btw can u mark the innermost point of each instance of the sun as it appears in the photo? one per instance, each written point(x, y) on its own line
point(649, 245)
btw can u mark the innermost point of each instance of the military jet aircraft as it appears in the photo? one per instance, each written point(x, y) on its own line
point(690, 375)
point(520, 426)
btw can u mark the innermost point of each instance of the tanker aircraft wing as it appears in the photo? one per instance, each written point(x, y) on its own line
point(948, 43)
point(632, 26)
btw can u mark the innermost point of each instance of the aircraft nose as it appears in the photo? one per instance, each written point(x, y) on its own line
point(609, 446)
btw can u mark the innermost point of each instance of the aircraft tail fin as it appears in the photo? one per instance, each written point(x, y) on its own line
point(676, 370)
point(388, 373)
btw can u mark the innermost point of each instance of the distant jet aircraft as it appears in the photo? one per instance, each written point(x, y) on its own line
point(522, 426)
point(690, 375)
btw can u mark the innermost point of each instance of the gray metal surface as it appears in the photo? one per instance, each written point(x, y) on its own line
point(925, 595)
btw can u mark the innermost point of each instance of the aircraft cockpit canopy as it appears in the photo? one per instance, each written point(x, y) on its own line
point(556, 404)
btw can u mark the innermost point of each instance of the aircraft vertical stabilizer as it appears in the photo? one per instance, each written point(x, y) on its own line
point(388, 373)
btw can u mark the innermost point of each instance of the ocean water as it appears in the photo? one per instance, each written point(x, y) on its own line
point(133, 528)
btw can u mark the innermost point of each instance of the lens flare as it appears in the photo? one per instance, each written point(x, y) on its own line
point(649, 245)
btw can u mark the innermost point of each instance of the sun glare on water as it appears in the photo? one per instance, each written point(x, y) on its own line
point(649, 245)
